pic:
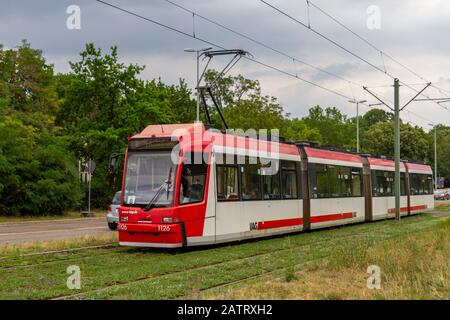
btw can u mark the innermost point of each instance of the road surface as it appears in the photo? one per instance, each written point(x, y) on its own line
point(51, 229)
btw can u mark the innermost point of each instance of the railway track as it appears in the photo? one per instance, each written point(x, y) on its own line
point(297, 248)
point(262, 275)
point(156, 277)
point(43, 253)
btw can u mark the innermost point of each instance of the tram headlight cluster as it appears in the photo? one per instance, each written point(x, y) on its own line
point(167, 220)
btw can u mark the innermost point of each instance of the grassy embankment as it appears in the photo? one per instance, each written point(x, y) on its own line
point(416, 266)
point(442, 205)
point(413, 256)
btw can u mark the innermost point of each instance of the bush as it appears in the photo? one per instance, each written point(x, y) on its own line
point(38, 175)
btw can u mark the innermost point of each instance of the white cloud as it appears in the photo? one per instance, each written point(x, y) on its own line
point(411, 30)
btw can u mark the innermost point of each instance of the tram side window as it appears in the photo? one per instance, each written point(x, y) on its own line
point(430, 184)
point(251, 187)
point(271, 173)
point(356, 182)
point(421, 184)
point(322, 187)
point(289, 179)
point(192, 182)
point(402, 184)
point(383, 183)
point(227, 183)
point(337, 182)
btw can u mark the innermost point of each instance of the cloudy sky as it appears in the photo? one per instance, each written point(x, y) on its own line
point(414, 32)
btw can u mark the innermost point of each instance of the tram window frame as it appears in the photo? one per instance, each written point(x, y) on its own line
point(334, 181)
point(204, 174)
point(235, 167)
point(243, 164)
point(376, 185)
point(270, 165)
point(293, 168)
point(321, 193)
point(360, 183)
point(417, 183)
point(403, 184)
point(243, 170)
point(382, 180)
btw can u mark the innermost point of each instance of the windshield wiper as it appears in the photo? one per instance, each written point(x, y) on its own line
point(165, 184)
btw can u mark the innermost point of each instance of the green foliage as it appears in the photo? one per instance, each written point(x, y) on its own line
point(243, 105)
point(37, 171)
point(37, 175)
point(374, 116)
point(26, 82)
point(298, 130)
point(334, 127)
point(48, 122)
point(103, 102)
point(380, 139)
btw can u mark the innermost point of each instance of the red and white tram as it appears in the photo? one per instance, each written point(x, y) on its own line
point(184, 185)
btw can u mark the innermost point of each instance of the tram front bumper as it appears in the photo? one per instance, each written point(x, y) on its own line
point(157, 235)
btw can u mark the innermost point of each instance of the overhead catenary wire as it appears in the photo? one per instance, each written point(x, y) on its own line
point(325, 37)
point(294, 59)
point(382, 52)
point(186, 34)
point(181, 32)
point(262, 44)
point(344, 48)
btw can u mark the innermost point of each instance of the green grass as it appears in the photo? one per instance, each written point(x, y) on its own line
point(443, 206)
point(415, 266)
point(129, 273)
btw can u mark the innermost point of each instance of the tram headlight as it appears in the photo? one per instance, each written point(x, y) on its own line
point(167, 219)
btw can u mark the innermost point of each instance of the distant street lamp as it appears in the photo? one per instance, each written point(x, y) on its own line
point(198, 51)
point(357, 120)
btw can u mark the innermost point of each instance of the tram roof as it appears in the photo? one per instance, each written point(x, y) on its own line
point(167, 130)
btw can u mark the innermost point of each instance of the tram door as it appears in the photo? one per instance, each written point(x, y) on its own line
point(196, 198)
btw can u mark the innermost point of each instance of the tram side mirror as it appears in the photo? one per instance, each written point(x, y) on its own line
point(112, 166)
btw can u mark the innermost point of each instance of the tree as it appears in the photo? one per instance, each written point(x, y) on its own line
point(229, 90)
point(374, 116)
point(334, 128)
point(37, 171)
point(297, 130)
point(379, 139)
point(103, 102)
point(48, 122)
point(37, 175)
point(27, 88)
point(99, 89)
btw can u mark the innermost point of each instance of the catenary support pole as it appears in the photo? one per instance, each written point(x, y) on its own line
point(89, 197)
point(357, 126)
point(397, 147)
point(197, 118)
point(435, 159)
